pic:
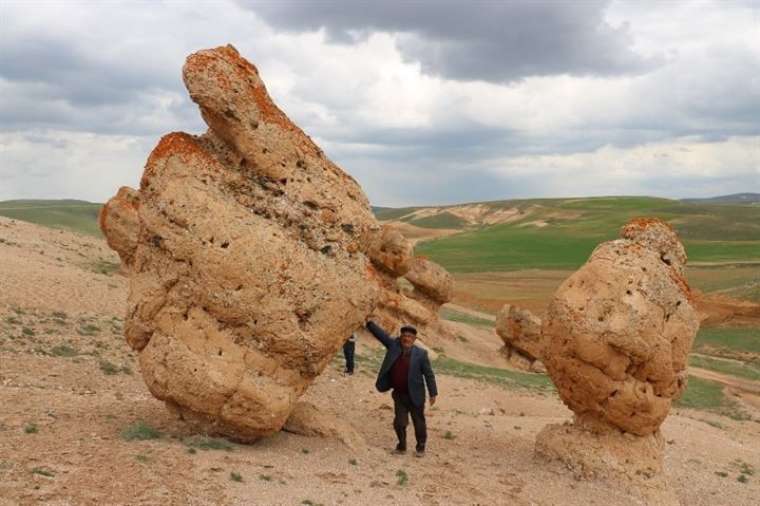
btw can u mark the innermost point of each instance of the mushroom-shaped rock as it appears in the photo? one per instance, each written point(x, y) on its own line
point(618, 333)
point(252, 257)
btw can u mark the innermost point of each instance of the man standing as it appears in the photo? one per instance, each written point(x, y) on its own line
point(349, 348)
point(404, 367)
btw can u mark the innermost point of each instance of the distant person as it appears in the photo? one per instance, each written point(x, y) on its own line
point(349, 349)
point(404, 367)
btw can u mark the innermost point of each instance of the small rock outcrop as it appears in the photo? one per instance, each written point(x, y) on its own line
point(520, 330)
point(251, 257)
point(617, 336)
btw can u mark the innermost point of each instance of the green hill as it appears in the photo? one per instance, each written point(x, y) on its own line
point(75, 215)
point(561, 233)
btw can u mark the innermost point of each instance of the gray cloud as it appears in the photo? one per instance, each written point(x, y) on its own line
point(490, 40)
point(87, 92)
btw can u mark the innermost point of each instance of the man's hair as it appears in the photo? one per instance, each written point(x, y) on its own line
point(408, 329)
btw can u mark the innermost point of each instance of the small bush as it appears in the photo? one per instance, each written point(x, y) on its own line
point(60, 315)
point(31, 428)
point(265, 477)
point(63, 350)
point(305, 451)
point(27, 331)
point(208, 443)
point(402, 477)
point(142, 458)
point(44, 472)
point(89, 330)
point(449, 435)
point(353, 462)
point(742, 478)
point(236, 477)
point(140, 431)
point(108, 368)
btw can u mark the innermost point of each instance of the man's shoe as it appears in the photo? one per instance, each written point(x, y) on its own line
point(419, 453)
point(399, 450)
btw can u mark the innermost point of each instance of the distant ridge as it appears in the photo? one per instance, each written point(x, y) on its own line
point(734, 198)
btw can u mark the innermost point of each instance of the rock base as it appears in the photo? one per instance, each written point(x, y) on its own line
point(590, 451)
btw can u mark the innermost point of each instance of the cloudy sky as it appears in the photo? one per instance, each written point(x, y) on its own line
point(422, 101)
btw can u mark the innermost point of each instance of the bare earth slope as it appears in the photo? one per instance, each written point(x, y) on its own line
point(69, 388)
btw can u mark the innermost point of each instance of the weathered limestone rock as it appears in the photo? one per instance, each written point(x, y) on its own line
point(430, 281)
point(252, 256)
point(431, 287)
point(523, 341)
point(618, 333)
point(120, 217)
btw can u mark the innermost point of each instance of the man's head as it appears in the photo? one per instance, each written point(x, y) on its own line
point(408, 336)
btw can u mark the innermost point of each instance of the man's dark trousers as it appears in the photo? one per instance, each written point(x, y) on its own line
point(349, 348)
point(403, 407)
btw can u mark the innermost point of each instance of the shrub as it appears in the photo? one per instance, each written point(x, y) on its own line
point(140, 431)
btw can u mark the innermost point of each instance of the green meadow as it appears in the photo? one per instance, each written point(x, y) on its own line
point(571, 228)
point(75, 215)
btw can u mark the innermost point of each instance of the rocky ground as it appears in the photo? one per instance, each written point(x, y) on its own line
point(78, 426)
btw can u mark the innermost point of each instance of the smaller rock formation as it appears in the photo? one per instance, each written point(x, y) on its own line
point(617, 337)
point(429, 287)
point(120, 217)
point(523, 341)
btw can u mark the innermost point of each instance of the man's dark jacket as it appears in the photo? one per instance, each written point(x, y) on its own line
point(419, 367)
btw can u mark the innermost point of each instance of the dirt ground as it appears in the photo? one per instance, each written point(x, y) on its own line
point(69, 387)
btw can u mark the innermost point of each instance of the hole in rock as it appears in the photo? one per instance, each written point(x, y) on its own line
point(219, 353)
point(628, 292)
point(284, 180)
point(254, 124)
point(665, 259)
point(225, 244)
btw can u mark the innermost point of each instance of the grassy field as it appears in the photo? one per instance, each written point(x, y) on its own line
point(708, 395)
point(728, 342)
point(75, 215)
point(456, 316)
point(573, 227)
point(747, 370)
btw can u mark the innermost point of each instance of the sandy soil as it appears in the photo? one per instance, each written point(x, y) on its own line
point(64, 408)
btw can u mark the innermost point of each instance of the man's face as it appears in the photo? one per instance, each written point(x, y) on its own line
point(407, 339)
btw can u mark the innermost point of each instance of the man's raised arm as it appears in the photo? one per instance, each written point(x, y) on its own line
point(379, 333)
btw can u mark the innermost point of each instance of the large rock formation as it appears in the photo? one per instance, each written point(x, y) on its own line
point(618, 333)
point(520, 330)
point(251, 257)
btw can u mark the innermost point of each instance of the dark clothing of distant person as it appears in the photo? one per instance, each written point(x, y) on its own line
point(407, 374)
point(349, 349)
